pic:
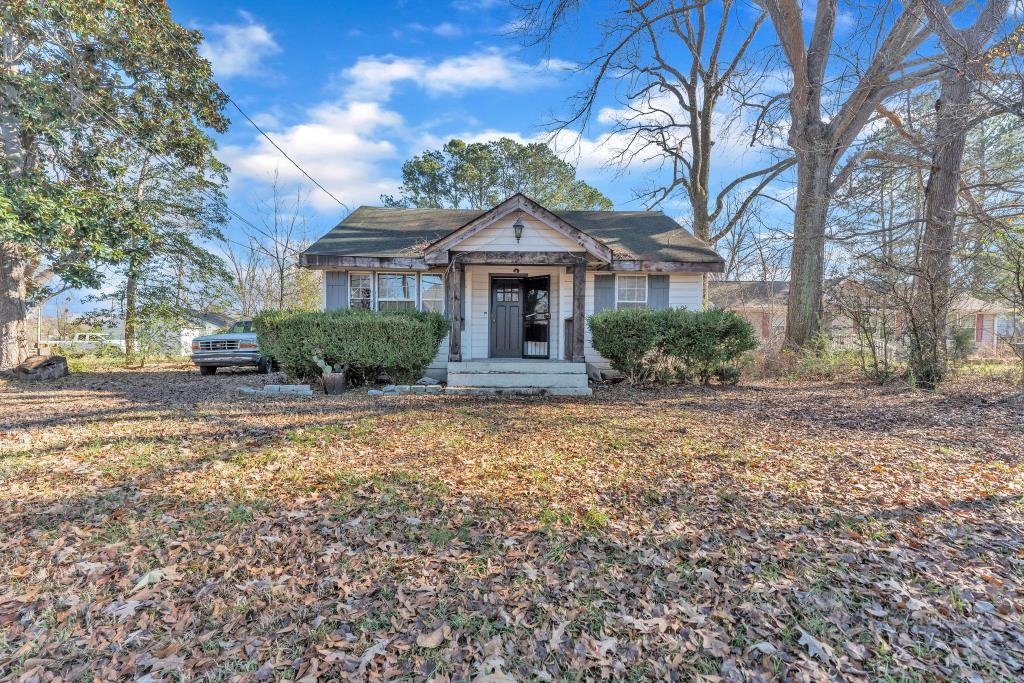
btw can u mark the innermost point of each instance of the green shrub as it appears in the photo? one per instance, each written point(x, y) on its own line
point(362, 343)
point(625, 337)
point(704, 341)
point(728, 375)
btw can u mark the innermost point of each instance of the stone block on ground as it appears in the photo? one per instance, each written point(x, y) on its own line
point(280, 390)
point(40, 368)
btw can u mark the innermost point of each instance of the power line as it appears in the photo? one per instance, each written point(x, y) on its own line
point(188, 53)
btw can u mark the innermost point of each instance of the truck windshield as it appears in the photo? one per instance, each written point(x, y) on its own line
point(241, 326)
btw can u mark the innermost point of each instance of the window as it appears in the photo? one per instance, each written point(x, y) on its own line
point(359, 291)
point(396, 291)
point(432, 293)
point(631, 291)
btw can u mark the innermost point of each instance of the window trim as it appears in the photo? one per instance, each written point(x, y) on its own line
point(373, 279)
point(377, 299)
point(647, 290)
point(419, 292)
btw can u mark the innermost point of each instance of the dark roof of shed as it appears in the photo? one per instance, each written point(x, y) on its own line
point(387, 232)
point(747, 293)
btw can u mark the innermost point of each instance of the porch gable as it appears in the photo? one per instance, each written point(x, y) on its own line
point(556, 234)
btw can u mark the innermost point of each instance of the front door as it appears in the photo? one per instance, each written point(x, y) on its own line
point(536, 317)
point(506, 318)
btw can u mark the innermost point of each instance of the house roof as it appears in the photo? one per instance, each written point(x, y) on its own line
point(388, 232)
point(215, 319)
point(742, 294)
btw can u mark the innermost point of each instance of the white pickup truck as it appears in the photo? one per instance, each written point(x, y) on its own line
point(235, 347)
point(84, 341)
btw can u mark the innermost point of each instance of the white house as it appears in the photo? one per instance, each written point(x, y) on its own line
point(517, 281)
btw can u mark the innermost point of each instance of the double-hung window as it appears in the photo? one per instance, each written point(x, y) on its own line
point(432, 293)
point(360, 291)
point(396, 291)
point(631, 291)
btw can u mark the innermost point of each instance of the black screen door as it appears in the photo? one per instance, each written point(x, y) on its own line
point(536, 317)
point(506, 318)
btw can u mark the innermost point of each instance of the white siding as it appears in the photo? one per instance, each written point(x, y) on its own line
point(500, 237)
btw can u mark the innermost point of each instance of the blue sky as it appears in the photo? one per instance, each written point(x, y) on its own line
point(352, 89)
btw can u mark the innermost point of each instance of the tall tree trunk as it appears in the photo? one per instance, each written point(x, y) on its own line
point(130, 316)
point(13, 306)
point(14, 266)
point(930, 302)
point(807, 261)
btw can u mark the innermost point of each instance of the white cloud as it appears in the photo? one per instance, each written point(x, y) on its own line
point(474, 5)
point(374, 78)
point(355, 145)
point(341, 145)
point(238, 49)
point(447, 29)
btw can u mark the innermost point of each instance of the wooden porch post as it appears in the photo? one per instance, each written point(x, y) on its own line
point(453, 304)
point(579, 288)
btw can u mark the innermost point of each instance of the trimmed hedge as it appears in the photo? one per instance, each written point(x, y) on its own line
point(705, 344)
point(364, 344)
point(625, 337)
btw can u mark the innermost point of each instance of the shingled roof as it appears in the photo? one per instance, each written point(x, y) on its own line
point(388, 232)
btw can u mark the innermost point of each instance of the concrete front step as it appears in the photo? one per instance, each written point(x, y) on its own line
point(513, 366)
point(502, 380)
point(518, 391)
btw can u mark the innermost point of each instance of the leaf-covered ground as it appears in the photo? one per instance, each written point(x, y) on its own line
point(160, 525)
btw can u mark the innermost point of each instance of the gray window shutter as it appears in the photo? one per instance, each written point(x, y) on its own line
point(657, 292)
point(337, 290)
point(604, 292)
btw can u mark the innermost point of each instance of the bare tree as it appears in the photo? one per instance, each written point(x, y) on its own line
point(281, 236)
point(967, 54)
point(247, 265)
point(263, 263)
point(679, 62)
point(829, 103)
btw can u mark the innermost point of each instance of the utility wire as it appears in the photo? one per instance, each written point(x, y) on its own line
point(188, 53)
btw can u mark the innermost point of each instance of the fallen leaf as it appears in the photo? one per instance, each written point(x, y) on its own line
point(432, 639)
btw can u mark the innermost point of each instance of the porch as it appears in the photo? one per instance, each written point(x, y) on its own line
point(516, 306)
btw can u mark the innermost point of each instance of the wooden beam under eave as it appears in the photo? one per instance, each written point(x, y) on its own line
point(453, 304)
point(518, 258)
point(624, 266)
point(335, 261)
point(579, 290)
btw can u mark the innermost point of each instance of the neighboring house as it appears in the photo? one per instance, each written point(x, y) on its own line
point(174, 340)
point(204, 323)
point(763, 303)
point(517, 281)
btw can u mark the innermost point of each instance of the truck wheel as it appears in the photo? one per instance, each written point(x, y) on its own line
point(207, 369)
point(263, 367)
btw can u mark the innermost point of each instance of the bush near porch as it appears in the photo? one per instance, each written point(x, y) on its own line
point(701, 344)
point(400, 344)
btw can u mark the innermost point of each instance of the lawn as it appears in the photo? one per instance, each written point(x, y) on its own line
point(159, 523)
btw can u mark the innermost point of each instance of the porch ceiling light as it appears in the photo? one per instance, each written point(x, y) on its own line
point(517, 228)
